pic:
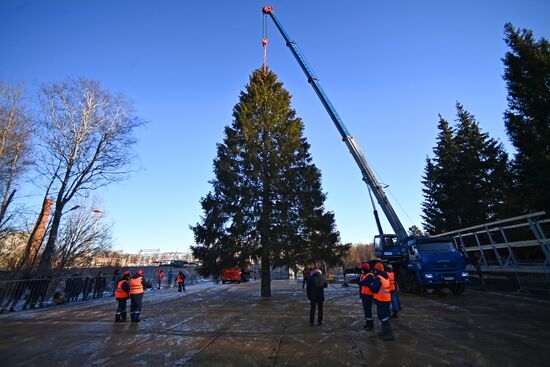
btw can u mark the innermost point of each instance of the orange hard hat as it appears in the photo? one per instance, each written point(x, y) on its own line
point(126, 273)
point(365, 266)
point(379, 266)
point(139, 272)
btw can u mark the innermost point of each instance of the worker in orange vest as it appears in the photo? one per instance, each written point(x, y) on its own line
point(181, 281)
point(380, 287)
point(122, 294)
point(160, 276)
point(395, 304)
point(364, 281)
point(136, 295)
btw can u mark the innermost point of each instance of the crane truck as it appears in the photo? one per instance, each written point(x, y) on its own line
point(418, 262)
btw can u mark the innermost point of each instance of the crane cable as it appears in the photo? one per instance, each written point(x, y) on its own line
point(264, 42)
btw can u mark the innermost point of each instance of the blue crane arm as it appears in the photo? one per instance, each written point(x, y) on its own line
point(366, 171)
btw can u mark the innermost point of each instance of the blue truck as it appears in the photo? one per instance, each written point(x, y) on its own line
point(419, 262)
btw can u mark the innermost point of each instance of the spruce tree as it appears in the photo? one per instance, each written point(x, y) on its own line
point(527, 119)
point(468, 180)
point(266, 201)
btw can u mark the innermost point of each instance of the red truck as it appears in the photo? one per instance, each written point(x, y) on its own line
point(231, 275)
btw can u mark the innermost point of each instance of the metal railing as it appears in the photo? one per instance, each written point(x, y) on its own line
point(518, 246)
point(44, 292)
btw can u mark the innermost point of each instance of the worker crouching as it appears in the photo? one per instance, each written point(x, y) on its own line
point(364, 282)
point(136, 295)
point(380, 287)
point(122, 294)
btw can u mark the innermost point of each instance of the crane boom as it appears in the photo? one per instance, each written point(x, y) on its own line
point(366, 171)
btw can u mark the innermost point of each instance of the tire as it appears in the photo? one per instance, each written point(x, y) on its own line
point(457, 288)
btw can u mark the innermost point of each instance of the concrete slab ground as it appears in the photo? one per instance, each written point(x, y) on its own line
point(231, 325)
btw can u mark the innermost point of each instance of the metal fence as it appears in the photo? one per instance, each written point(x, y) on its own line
point(43, 292)
point(518, 246)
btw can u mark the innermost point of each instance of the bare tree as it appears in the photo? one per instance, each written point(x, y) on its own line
point(357, 254)
point(87, 136)
point(82, 237)
point(15, 146)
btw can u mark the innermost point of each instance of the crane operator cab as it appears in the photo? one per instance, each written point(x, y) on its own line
point(386, 246)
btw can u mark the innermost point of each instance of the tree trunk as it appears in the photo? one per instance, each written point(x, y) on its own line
point(45, 260)
point(266, 270)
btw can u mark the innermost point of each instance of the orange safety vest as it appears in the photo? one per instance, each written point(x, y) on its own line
point(121, 293)
point(136, 286)
point(180, 279)
point(391, 276)
point(365, 290)
point(383, 294)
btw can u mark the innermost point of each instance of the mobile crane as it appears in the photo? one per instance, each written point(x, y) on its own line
point(419, 262)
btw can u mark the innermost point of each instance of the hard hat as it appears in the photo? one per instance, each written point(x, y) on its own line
point(139, 272)
point(365, 266)
point(126, 273)
point(379, 266)
point(389, 267)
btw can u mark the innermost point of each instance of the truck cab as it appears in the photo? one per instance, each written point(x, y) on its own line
point(424, 262)
point(231, 275)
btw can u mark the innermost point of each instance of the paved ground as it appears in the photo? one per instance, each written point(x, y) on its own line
point(230, 325)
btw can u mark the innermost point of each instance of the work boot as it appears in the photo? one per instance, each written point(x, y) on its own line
point(387, 333)
point(117, 318)
point(136, 318)
point(369, 324)
point(123, 316)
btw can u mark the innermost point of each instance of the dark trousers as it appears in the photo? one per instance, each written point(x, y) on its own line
point(181, 286)
point(135, 305)
point(121, 308)
point(367, 307)
point(312, 305)
point(383, 311)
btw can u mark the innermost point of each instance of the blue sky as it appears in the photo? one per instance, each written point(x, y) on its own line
point(389, 68)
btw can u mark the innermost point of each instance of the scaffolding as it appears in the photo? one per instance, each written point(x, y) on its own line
point(518, 246)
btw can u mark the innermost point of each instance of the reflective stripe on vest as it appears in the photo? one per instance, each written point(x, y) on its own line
point(136, 286)
point(364, 289)
point(391, 277)
point(383, 294)
point(121, 293)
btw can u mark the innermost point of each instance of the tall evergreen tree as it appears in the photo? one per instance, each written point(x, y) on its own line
point(527, 119)
point(266, 200)
point(467, 181)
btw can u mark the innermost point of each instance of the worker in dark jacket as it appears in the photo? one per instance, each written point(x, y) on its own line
point(364, 282)
point(122, 294)
point(136, 295)
point(306, 277)
point(380, 288)
point(316, 285)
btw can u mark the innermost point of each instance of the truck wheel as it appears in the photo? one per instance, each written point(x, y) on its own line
point(457, 288)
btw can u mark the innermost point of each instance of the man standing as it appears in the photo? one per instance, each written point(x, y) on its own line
point(395, 304)
point(122, 294)
point(306, 277)
point(160, 276)
point(316, 294)
point(181, 281)
point(170, 277)
point(382, 297)
point(364, 282)
point(136, 295)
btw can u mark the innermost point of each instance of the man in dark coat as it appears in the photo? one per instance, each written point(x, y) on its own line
point(316, 285)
